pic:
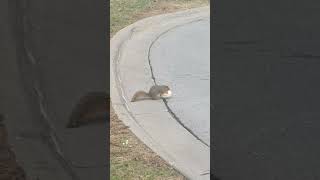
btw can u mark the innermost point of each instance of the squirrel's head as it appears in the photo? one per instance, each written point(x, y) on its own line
point(166, 92)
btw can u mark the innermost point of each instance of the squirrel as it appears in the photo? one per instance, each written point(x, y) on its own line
point(156, 92)
point(93, 107)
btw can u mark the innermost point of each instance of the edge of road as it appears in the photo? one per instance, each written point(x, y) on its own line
point(151, 121)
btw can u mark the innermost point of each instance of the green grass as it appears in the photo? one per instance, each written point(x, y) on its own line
point(139, 170)
point(124, 12)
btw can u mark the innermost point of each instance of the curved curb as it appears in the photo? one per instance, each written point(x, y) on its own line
point(150, 121)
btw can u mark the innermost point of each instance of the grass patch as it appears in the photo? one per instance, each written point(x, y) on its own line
point(121, 12)
point(131, 159)
point(125, 12)
point(140, 170)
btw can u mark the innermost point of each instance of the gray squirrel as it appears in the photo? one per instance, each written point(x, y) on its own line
point(156, 92)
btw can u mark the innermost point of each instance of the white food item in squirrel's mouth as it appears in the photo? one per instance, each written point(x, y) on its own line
point(167, 95)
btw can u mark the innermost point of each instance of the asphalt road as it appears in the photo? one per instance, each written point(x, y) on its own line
point(266, 90)
point(181, 59)
point(170, 49)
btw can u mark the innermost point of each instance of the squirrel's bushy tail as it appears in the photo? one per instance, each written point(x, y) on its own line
point(140, 95)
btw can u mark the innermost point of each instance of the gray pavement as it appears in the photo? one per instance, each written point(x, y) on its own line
point(181, 59)
point(174, 49)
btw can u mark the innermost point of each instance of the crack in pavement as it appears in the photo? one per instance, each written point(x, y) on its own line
point(155, 82)
point(122, 99)
point(120, 87)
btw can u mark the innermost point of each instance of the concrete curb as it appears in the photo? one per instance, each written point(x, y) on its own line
point(150, 121)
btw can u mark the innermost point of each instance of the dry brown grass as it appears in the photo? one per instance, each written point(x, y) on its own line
point(132, 159)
